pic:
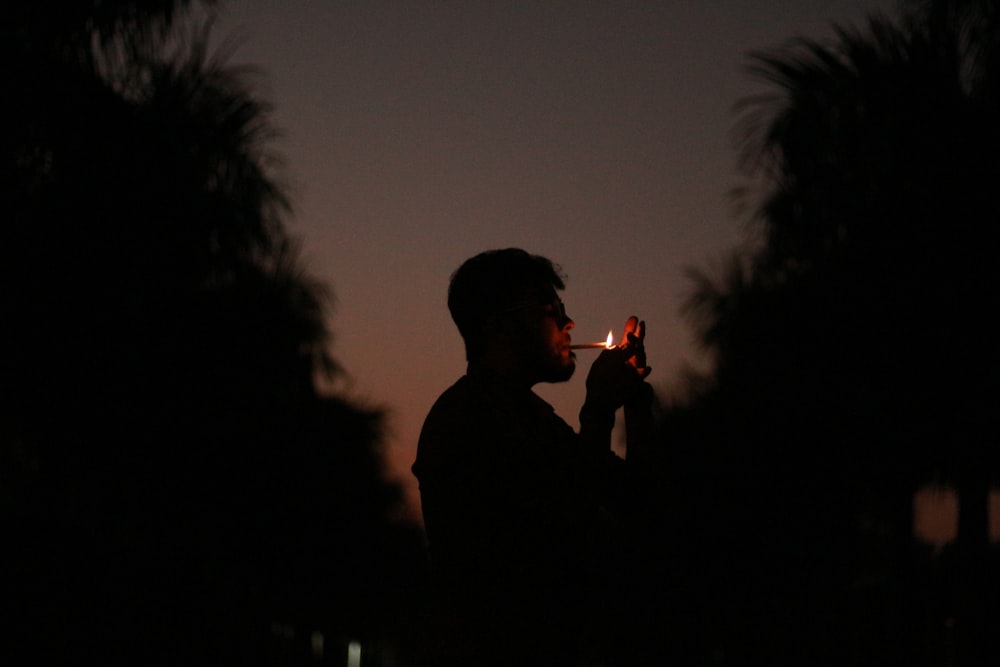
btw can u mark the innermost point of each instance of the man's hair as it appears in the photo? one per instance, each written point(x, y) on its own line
point(489, 283)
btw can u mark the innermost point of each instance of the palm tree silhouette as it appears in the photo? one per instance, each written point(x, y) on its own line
point(177, 483)
point(862, 321)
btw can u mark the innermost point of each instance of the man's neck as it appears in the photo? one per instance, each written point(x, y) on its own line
point(509, 370)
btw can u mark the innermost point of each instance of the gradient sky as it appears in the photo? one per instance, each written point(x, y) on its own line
point(598, 133)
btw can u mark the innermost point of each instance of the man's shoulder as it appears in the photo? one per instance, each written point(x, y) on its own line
point(460, 390)
point(455, 429)
point(462, 402)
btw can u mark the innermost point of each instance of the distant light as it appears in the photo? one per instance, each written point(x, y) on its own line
point(354, 654)
point(935, 515)
point(316, 639)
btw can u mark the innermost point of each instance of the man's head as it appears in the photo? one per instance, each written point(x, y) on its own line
point(507, 299)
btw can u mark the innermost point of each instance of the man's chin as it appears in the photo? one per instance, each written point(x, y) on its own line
point(561, 373)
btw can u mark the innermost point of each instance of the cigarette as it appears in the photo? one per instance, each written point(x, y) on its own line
point(607, 345)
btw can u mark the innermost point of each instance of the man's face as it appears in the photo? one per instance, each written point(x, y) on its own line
point(541, 336)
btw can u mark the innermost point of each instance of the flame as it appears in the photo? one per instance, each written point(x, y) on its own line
point(611, 340)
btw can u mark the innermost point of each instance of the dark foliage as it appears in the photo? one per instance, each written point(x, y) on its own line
point(173, 483)
point(854, 357)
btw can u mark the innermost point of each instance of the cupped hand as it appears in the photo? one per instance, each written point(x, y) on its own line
point(633, 341)
point(618, 370)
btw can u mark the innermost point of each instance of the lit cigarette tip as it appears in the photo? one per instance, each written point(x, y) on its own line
point(606, 345)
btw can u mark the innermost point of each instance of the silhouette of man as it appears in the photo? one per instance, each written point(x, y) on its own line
point(513, 498)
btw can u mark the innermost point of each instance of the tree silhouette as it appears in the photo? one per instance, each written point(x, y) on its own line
point(174, 484)
point(852, 342)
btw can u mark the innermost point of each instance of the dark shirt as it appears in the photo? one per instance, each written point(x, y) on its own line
point(512, 503)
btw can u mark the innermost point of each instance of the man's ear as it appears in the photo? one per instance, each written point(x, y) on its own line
point(495, 325)
point(492, 324)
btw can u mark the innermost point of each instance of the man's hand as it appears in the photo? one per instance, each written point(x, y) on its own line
point(633, 340)
point(618, 372)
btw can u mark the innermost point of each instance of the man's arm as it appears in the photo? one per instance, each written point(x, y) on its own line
point(616, 379)
point(639, 427)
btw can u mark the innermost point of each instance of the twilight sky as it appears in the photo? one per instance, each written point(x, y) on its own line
point(596, 132)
